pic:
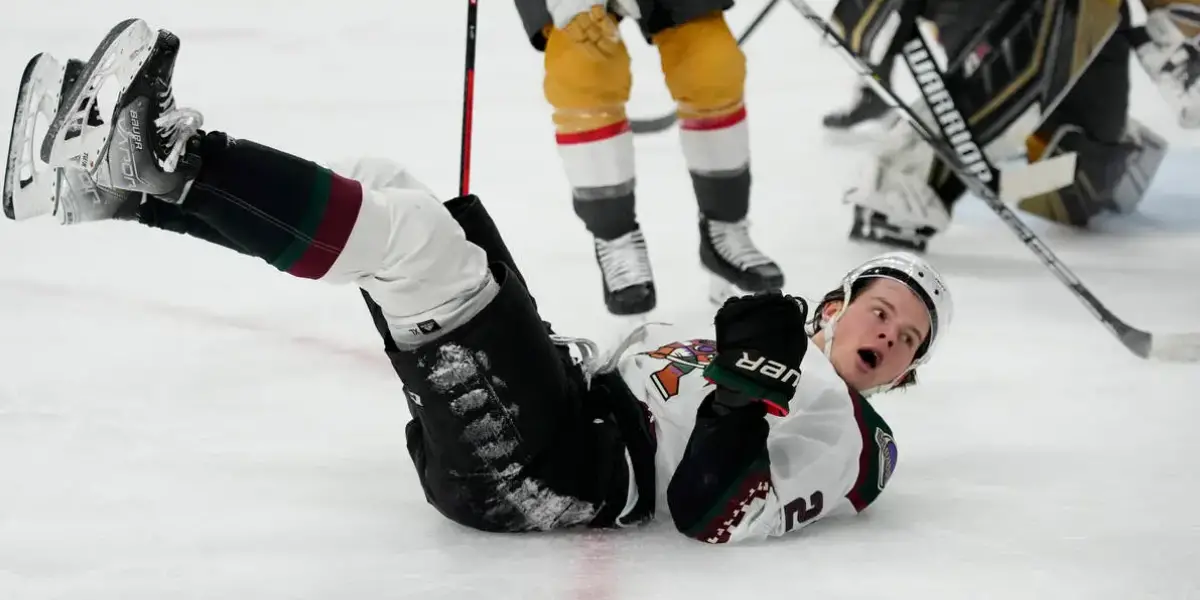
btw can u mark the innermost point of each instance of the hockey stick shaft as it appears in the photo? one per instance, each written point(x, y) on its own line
point(657, 124)
point(982, 180)
point(468, 102)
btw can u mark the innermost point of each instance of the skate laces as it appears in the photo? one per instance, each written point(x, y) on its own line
point(624, 261)
point(175, 127)
point(593, 360)
point(732, 242)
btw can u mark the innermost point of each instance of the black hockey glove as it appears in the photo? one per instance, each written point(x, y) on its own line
point(760, 343)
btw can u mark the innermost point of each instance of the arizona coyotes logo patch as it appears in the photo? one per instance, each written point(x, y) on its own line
point(683, 358)
point(887, 455)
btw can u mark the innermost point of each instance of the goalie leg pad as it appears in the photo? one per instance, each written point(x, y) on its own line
point(871, 26)
point(1109, 177)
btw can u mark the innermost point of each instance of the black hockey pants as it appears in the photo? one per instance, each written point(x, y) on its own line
point(506, 434)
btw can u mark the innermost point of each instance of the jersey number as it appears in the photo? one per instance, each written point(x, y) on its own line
point(799, 511)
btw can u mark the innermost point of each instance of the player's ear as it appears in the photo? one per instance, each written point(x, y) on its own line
point(830, 308)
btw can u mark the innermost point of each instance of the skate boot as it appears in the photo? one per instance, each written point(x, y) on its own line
point(626, 275)
point(142, 148)
point(32, 187)
point(872, 226)
point(869, 113)
point(735, 263)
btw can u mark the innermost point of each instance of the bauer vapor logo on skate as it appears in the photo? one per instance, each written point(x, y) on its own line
point(129, 140)
point(925, 70)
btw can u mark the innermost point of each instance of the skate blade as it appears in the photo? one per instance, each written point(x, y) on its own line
point(720, 290)
point(119, 57)
point(31, 185)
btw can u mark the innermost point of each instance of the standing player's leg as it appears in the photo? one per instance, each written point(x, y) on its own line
point(588, 91)
point(705, 71)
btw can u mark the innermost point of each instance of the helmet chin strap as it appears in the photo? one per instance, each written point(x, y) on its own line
point(829, 325)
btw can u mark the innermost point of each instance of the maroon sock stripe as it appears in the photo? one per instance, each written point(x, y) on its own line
point(334, 209)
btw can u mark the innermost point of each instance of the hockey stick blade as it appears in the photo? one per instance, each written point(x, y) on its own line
point(1175, 347)
point(663, 123)
point(1164, 347)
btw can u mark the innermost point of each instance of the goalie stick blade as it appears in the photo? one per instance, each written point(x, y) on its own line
point(30, 185)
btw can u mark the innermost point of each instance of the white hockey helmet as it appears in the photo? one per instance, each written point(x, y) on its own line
point(917, 275)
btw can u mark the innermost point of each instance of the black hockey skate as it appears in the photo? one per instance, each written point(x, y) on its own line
point(872, 226)
point(626, 275)
point(734, 262)
point(142, 147)
point(869, 112)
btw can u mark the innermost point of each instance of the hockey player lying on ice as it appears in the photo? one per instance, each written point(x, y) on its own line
point(513, 427)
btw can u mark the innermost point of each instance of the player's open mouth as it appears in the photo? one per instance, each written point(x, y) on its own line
point(869, 357)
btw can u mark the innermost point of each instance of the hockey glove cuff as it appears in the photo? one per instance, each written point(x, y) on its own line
point(760, 344)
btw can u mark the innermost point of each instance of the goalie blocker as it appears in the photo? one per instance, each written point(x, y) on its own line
point(1044, 91)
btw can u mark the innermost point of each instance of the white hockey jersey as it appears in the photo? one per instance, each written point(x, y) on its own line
point(832, 455)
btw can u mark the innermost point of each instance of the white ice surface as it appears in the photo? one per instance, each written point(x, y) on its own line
point(180, 422)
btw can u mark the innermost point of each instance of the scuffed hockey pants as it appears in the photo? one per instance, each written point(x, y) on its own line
point(505, 433)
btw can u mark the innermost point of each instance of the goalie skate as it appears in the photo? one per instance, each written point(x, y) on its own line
point(31, 185)
point(119, 58)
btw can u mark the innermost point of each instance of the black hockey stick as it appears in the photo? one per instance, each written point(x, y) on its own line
point(658, 124)
point(983, 182)
point(468, 107)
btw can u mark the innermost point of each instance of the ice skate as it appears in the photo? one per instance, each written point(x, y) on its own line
point(869, 116)
point(735, 264)
point(33, 188)
point(142, 146)
point(31, 185)
point(626, 275)
point(874, 227)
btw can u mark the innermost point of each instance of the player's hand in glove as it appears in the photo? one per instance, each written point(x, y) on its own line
point(760, 343)
point(589, 25)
